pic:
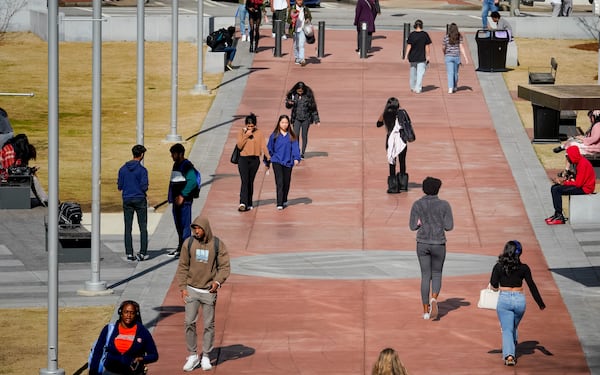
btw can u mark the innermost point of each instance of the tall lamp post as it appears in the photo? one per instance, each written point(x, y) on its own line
point(200, 87)
point(173, 136)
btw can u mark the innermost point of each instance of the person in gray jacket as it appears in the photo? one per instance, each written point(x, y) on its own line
point(431, 217)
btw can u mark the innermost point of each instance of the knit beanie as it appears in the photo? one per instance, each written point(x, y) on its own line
point(431, 185)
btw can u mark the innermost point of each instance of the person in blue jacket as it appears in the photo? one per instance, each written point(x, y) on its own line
point(285, 154)
point(132, 182)
point(129, 348)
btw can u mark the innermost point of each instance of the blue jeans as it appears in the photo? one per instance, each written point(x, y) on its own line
point(140, 207)
point(417, 71)
point(299, 40)
point(182, 215)
point(242, 13)
point(488, 6)
point(452, 65)
point(510, 310)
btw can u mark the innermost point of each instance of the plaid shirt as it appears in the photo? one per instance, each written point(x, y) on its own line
point(8, 157)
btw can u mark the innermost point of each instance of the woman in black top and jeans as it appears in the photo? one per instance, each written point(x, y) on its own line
point(507, 275)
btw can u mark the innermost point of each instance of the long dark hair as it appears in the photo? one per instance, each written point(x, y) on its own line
point(308, 93)
point(510, 257)
point(390, 112)
point(290, 129)
point(453, 34)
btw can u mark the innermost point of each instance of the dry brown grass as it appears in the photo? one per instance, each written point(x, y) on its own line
point(23, 63)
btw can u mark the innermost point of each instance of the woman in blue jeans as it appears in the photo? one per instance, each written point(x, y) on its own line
point(507, 275)
point(487, 7)
point(453, 48)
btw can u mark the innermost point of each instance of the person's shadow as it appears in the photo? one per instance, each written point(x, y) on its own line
point(526, 348)
point(231, 352)
point(450, 304)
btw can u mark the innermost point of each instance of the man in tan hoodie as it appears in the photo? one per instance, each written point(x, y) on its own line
point(203, 267)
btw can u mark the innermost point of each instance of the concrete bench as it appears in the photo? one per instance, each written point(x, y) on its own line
point(584, 209)
point(214, 62)
point(74, 243)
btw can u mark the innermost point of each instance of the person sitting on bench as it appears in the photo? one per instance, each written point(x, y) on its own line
point(226, 45)
point(589, 142)
point(579, 178)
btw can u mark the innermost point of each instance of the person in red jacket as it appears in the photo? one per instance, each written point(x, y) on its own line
point(583, 182)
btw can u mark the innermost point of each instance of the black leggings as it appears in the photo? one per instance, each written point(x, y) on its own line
point(402, 161)
point(254, 21)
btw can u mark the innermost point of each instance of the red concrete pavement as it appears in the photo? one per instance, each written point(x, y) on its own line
point(338, 202)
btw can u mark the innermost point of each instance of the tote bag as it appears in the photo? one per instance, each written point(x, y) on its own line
point(488, 298)
point(235, 155)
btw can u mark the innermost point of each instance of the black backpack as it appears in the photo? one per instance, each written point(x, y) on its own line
point(216, 37)
point(69, 214)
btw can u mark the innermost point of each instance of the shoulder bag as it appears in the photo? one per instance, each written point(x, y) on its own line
point(407, 132)
point(235, 155)
point(488, 298)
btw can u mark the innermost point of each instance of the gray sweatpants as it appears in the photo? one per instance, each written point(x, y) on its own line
point(193, 302)
point(431, 260)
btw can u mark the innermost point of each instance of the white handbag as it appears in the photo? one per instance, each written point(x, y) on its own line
point(488, 298)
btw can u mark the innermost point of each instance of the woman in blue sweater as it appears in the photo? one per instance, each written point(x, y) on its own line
point(129, 346)
point(285, 154)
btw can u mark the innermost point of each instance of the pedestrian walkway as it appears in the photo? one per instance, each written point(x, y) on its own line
point(322, 286)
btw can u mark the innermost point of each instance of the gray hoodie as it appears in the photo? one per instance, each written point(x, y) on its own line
point(432, 217)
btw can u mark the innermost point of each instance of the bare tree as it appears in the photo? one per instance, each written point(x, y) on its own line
point(8, 8)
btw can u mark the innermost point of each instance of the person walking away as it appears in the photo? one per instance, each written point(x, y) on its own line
point(567, 8)
point(242, 15)
point(255, 10)
point(365, 12)
point(251, 143)
point(583, 182)
point(202, 269)
point(285, 154)
point(487, 7)
point(129, 345)
point(507, 276)
point(393, 117)
point(132, 182)
point(279, 8)
point(298, 16)
point(388, 363)
point(301, 99)
point(418, 52)
point(556, 8)
point(431, 217)
point(453, 48)
point(226, 45)
point(181, 187)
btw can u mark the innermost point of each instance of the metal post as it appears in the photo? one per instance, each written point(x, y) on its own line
point(278, 32)
point(200, 87)
point(173, 136)
point(95, 285)
point(321, 46)
point(405, 39)
point(363, 40)
point(52, 322)
point(140, 73)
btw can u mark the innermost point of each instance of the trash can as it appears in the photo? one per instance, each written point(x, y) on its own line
point(491, 50)
point(546, 123)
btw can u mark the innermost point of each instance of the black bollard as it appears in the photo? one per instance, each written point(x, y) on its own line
point(363, 40)
point(321, 46)
point(406, 32)
point(278, 33)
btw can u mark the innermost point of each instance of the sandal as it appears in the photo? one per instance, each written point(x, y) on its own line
point(510, 361)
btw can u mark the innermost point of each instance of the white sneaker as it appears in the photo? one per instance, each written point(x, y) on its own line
point(450, 91)
point(273, 35)
point(205, 363)
point(192, 362)
point(284, 37)
point(243, 38)
point(426, 316)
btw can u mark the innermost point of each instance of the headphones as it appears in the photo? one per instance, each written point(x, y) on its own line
point(518, 247)
point(134, 304)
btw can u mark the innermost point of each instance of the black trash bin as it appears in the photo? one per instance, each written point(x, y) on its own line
point(491, 50)
point(546, 123)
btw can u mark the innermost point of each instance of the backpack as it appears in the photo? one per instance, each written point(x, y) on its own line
point(69, 213)
point(111, 328)
point(216, 37)
point(196, 191)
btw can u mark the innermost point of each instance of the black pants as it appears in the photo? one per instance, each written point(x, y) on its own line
point(140, 208)
point(558, 191)
point(402, 162)
point(283, 177)
point(247, 166)
point(254, 21)
point(301, 129)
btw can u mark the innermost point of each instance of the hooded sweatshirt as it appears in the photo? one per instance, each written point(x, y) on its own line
point(133, 180)
point(585, 177)
point(198, 267)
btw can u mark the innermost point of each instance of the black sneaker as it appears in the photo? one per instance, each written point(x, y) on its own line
point(558, 149)
point(130, 258)
point(142, 257)
point(173, 254)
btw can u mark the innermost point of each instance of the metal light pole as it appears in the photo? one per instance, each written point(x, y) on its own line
point(173, 136)
point(52, 363)
point(200, 87)
point(140, 72)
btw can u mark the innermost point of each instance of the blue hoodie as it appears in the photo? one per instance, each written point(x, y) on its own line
point(283, 150)
point(133, 180)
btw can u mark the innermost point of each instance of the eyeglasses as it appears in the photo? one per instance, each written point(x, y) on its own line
point(251, 126)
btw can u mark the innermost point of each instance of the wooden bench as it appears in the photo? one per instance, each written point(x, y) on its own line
point(544, 78)
point(584, 209)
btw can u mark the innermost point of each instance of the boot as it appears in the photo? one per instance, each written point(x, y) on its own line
point(256, 45)
point(251, 46)
point(402, 181)
point(393, 187)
